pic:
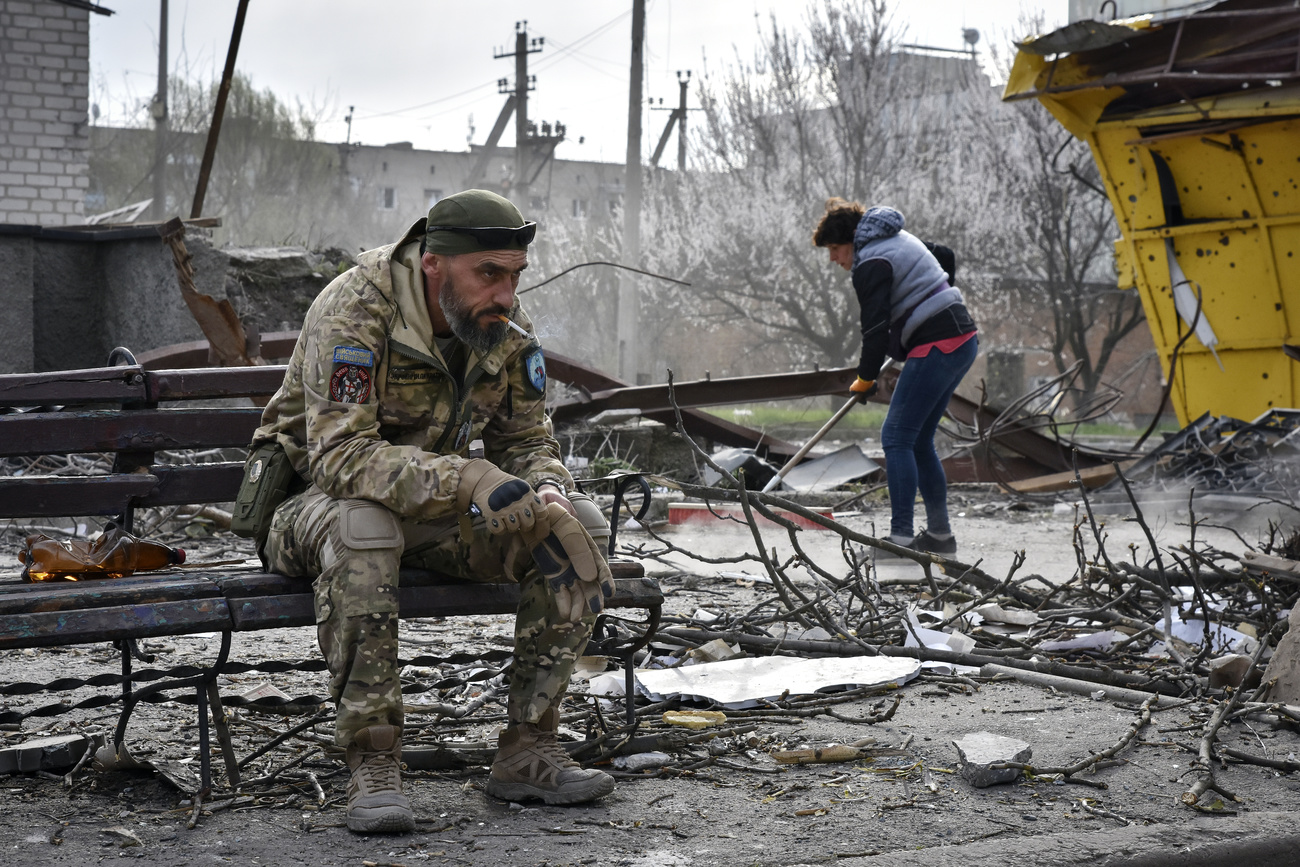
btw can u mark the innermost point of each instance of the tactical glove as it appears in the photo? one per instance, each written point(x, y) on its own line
point(571, 563)
point(508, 503)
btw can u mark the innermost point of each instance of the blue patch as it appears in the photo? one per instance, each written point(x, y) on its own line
point(535, 370)
point(354, 355)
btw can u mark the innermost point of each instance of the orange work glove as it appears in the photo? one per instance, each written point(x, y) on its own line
point(864, 388)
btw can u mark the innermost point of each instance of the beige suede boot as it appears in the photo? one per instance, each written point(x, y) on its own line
point(376, 804)
point(530, 763)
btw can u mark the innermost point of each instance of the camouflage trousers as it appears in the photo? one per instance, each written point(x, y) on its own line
point(354, 548)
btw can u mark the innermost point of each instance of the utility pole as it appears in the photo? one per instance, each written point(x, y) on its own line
point(523, 84)
point(158, 108)
point(629, 301)
point(682, 83)
point(677, 118)
point(345, 152)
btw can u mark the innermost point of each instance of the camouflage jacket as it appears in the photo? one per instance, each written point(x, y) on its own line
point(369, 410)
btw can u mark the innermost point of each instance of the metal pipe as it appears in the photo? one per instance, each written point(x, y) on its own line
point(218, 112)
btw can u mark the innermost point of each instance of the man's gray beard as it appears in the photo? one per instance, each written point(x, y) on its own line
point(463, 324)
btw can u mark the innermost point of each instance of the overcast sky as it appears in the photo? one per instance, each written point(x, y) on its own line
point(423, 70)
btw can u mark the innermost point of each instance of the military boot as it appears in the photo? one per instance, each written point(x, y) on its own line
point(376, 804)
point(530, 763)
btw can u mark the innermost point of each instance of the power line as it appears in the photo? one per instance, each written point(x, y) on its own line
point(563, 52)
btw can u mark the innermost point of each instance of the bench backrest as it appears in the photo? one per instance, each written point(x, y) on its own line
point(131, 414)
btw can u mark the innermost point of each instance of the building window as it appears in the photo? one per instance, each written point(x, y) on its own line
point(433, 169)
point(580, 208)
point(431, 198)
point(388, 200)
point(385, 165)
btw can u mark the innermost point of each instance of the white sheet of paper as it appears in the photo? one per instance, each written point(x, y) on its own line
point(736, 681)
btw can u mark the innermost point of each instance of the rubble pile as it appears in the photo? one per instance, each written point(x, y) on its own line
point(1216, 456)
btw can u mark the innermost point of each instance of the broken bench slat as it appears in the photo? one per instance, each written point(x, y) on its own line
point(44, 433)
point(116, 622)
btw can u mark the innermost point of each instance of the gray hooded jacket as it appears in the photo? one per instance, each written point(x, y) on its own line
point(899, 285)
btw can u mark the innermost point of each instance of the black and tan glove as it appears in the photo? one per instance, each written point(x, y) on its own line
point(507, 503)
point(571, 563)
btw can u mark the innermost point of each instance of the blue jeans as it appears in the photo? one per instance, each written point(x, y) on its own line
point(911, 462)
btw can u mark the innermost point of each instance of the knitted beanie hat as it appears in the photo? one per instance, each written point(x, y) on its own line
point(880, 222)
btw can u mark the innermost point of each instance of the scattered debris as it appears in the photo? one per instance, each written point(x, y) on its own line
point(831, 471)
point(47, 754)
point(692, 513)
point(695, 719)
point(126, 838)
point(978, 752)
point(642, 761)
point(1219, 463)
point(741, 682)
point(1284, 668)
point(1229, 671)
point(835, 753)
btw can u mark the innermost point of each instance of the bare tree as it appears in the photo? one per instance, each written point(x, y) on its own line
point(1046, 246)
point(829, 109)
point(836, 108)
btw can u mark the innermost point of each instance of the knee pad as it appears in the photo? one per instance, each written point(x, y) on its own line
point(366, 525)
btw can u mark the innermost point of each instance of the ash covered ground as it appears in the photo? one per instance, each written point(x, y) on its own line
point(725, 801)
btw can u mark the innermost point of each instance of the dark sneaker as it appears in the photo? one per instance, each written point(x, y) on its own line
point(530, 763)
point(880, 554)
point(928, 544)
point(376, 804)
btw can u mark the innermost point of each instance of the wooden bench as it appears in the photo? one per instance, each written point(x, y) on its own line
point(135, 415)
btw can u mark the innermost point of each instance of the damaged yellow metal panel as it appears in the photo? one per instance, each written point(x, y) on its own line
point(1202, 167)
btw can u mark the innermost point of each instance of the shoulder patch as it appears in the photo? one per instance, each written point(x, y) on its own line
point(350, 383)
point(535, 371)
point(354, 355)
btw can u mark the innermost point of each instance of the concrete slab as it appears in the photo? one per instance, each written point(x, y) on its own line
point(978, 750)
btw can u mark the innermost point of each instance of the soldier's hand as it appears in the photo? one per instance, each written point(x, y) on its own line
point(571, 563)
point(507, 503)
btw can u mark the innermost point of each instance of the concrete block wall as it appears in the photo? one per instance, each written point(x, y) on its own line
point(44, 84)
point(72, 294)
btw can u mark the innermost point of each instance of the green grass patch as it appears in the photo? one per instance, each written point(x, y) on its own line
point(804, 415)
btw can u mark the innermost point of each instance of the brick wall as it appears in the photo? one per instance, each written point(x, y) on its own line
point(44, 76)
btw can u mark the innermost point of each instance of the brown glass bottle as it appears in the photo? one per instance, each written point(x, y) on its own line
point(114, 554)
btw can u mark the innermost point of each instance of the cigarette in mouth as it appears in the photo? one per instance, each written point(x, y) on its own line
point(508, 321)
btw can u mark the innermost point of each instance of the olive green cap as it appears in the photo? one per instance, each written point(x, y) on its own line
point(475, 209)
